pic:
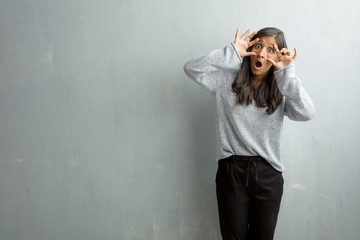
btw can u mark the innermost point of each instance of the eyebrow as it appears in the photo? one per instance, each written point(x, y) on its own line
point(268, 43)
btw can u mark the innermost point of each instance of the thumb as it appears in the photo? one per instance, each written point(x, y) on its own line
point(271, 61)
point(249, 54)
point(277, 65)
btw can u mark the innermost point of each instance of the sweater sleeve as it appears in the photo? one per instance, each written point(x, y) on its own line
point(210, 69)
point(298, 104)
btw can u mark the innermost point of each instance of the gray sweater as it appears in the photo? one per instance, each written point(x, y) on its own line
point(247, 129)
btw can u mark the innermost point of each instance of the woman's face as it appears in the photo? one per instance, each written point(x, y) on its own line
point(264, 49)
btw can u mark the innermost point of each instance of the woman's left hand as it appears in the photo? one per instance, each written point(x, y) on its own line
point(283, 58)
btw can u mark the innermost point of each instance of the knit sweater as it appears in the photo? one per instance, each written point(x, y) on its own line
point(248, 129)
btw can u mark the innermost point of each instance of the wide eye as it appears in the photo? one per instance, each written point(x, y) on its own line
point(270, 50)
point(258, 46)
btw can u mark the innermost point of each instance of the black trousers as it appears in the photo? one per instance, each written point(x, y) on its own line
point(249, 192)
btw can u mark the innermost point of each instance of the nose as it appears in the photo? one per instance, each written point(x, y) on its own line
point(262, 53)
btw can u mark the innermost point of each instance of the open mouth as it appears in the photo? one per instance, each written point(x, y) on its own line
point(258, 64)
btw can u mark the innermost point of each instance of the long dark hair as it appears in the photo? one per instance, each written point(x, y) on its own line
point(267, 94)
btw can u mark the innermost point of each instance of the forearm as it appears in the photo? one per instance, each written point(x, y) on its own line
point(216, 60)
point(299, 105)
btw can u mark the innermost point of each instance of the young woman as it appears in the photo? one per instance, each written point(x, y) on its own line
point(255, 86)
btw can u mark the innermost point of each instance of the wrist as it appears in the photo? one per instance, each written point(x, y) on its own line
point(236, 51)
point(285, 68)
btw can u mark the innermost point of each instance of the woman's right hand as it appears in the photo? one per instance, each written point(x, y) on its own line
point(242, 43)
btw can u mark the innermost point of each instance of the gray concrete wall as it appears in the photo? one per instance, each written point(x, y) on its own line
point(102, 136)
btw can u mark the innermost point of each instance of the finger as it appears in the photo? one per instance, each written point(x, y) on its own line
point(249, 54)
point(295, 54)
point(271, 61)
point(288, 52)
point(237, 33)
point(278, 53)
point(283, 51)
point(276, 65)
point(251, 35)
point(253, 42)
point(246, 33)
